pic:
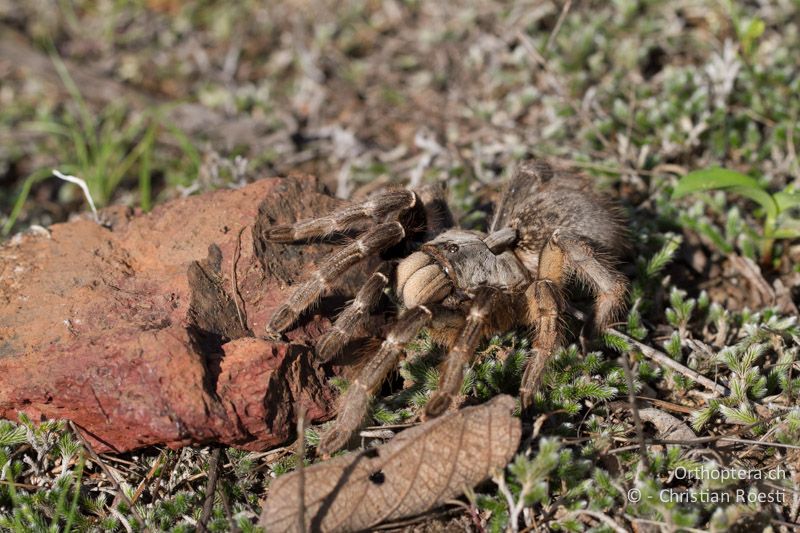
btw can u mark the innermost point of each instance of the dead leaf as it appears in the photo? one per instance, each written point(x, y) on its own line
point(416, 471)
point(669, 427)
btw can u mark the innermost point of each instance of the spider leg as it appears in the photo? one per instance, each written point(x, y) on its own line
point(462, 351)
point(595, 270)
point(438, 216)
point(355, 401)
point(564, 252)
point(543, 299)
point(446, 326)
point(353, 316)
point(373, 241)
point(376, 208)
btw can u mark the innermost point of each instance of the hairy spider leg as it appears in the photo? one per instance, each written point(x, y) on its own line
point(460, 355)
point(596, 271)
point(376, 208)
point(562, 253)
point(543, 299)
point(377, 239)
point(355, 402)
point(353, 316)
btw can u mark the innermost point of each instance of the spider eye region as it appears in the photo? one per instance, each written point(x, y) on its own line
point(452, 248)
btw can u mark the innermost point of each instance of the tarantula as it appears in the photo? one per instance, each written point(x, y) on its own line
point(463, 285)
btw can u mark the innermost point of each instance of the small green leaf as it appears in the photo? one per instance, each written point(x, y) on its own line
point(657, 263)
point(711, 179)
point(787, 233)
point(787, 227)
point(11, 435)
point(787, 200)
point(722, 178)
point(754, 30)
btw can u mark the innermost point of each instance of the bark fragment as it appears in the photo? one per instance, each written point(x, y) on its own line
point(132, 331)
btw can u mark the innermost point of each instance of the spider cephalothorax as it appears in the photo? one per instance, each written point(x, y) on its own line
point(463, 285)
point(457, 262)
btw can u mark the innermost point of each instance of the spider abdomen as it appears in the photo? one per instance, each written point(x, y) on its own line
point(576, 212)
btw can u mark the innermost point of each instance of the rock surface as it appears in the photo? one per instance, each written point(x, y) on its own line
point(148, 331)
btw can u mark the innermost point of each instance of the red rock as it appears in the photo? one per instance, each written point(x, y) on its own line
point(133, 331)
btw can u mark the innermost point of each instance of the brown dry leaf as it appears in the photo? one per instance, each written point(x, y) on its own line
point(669, 427)
point(418, 470)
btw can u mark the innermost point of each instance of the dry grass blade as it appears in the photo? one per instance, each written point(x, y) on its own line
point(637, 421)
point(107, 471)
point(417, 471)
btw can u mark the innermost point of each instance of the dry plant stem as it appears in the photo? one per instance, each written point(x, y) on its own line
point(635, 411)
point(663, 526)
point(432, 516)
point(301, 456)
point(85, 188)
point(96, 458)
point(515, 507)
point(761, 443)
point(211, 488)
point(18, 485)
point(148, 477)
point(553, 34)
point(661, 358)
point(168, 468)
point(607, 520)
point(667, 361)
point(226, 503)
point(752, 273)
point(237, 296)
point(730, 437)
point(669, 406)
point(787, 526)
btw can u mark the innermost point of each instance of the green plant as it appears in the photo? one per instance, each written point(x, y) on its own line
point(779, 221)
point(100, 150)
point(105, 149)
point(56, 507)
point(530, 480)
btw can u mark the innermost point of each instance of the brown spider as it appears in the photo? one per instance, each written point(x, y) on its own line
point(463, 285)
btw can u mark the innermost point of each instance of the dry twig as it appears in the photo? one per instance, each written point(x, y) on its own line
point(635, 412)
point(301, 473)
point(96, 458)
point(665, 360)
point(211, 488)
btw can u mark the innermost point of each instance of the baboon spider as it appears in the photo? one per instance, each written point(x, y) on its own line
point(463, 285)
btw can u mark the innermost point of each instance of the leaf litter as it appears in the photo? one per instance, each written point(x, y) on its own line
point(418, 470)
